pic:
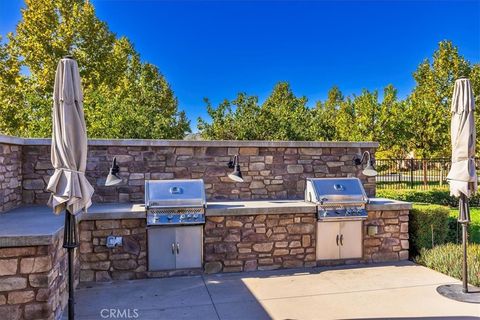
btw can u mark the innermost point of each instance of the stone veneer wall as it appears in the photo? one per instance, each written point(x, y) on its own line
point(274, 171)
point(10, 176)
point(259, 242)
point(271, 169)
point(33, 281)
point(99, 263)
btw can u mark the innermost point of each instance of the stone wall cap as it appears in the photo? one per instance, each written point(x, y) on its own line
point(215, 143)
point(11, 140)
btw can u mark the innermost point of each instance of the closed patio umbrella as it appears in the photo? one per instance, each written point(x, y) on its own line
point(462, 176)
point(70, 190)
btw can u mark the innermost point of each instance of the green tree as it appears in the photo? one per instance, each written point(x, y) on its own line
point(285, 116)
point(428, 106)
point(235, 120)
point(124, 97)
point(392, 126)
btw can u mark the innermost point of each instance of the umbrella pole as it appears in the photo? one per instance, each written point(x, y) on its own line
point(465, 267)
point(463, 207)
point(461, 292)
point(70, 243)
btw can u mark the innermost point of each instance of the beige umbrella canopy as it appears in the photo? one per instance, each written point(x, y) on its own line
point(462, 176)
point(70, 189)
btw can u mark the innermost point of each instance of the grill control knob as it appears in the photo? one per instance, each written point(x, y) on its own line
point(170, 216)
point(195, 216)
point(189, 216)
point(182, 216)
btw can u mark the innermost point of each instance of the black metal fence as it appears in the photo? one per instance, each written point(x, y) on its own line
point(413, 173)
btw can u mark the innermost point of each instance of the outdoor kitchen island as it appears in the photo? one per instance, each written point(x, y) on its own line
point(237, 236)
point(266, 235)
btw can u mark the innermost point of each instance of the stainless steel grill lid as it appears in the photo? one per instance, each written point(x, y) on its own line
point(170, 202)
point(174, 193)
point(334, 191)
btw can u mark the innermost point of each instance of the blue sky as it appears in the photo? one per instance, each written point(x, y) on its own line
point(216, 49)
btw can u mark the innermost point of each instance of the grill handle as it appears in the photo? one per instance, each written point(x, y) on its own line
point(173, 248)
point(178, 248)
point(337, 239)
point(341, 239)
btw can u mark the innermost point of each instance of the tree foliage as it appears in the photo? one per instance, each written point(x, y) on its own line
point(124, 97)
point(281, 117)
point(418, 123)
point(428, 106)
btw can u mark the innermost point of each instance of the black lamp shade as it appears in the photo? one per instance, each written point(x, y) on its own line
point(236, 175)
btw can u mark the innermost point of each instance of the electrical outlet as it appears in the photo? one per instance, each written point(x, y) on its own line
point(114, 241)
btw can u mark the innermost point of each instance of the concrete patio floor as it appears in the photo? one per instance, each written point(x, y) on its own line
point(400, 290)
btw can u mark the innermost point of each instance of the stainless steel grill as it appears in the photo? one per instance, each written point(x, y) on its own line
point(337, 198)
point(175, 202)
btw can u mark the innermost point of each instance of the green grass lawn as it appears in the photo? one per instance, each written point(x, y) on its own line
point(474, 229)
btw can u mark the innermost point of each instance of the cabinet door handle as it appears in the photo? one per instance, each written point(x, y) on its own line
point(173, 248)
point(337, 239)
point(341, 239)
point(178, 248)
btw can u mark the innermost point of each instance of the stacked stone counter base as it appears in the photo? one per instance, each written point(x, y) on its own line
point(259, 242)
point(391, 242)
point(127, 262)
point(267, 235)
point(33, 281)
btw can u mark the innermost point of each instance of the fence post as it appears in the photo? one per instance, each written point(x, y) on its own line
point(442, 163)
point(411, 173)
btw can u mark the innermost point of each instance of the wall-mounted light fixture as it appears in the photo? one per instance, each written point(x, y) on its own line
point(236, 174)
point(369, 169)
point(113, 178)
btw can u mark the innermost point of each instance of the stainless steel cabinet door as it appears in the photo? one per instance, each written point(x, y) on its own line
point(189, 246)
point(327, 240)
point(161, 248)
point(351, 239)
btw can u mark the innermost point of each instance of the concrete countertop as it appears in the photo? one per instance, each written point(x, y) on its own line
point(290, 206)
point(37, 225)
point(259, 207)
point(378, 204)
point(29, 225)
